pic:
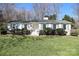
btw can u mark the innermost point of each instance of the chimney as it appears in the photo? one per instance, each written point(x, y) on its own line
point(45, 18)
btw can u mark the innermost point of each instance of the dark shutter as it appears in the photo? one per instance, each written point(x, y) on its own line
point(25, 26)
point(44, 26)
point(64, 26)
point(54, 26)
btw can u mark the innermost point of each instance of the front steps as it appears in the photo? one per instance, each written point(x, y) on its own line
point(35, 32)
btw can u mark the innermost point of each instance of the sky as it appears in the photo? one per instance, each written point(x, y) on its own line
point(66, 8)
point(27, 6)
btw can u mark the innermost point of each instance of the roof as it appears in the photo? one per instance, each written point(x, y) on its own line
point(55, 21)
point(43, 21)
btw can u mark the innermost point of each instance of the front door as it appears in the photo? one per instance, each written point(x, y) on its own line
point(35, 25)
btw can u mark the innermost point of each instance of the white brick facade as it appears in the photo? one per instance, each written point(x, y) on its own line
point(68, 27)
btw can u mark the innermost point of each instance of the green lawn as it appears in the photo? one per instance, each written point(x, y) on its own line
point(39, 46)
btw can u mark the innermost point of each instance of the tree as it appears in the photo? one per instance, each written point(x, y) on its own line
point(52, 17)
point(54, 10)
point(76, 13)
point(68, 18)
point(8, 11)
point(29, 15)
point(42, 9)
point(20, 14)
point(6, 14)
point(1, 16)
point(76, 10)
point(23, 15)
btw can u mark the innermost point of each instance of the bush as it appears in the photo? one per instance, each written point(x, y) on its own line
point(74, 32)
point(42, 32)
point(3, 31)
point(60, 31)
point(12, 31)
point(27, 32)
point(17, 31)
point(48, 31)
point(53, 32)
point(20, 31)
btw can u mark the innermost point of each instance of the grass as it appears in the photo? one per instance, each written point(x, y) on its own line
point(39, 46)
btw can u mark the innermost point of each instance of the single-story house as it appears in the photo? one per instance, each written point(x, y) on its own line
point(36, 25)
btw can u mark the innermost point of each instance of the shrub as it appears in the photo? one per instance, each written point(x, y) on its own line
point(20, 31)
point(60, 31)
point(3, 31)
point(77, 30)
point(48, 31)
point(27, 32)
point(12, 31)
point(53, 32)
point(42, 32)
point(74, 32)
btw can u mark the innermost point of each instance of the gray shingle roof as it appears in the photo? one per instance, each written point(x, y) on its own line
point(43, 21)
